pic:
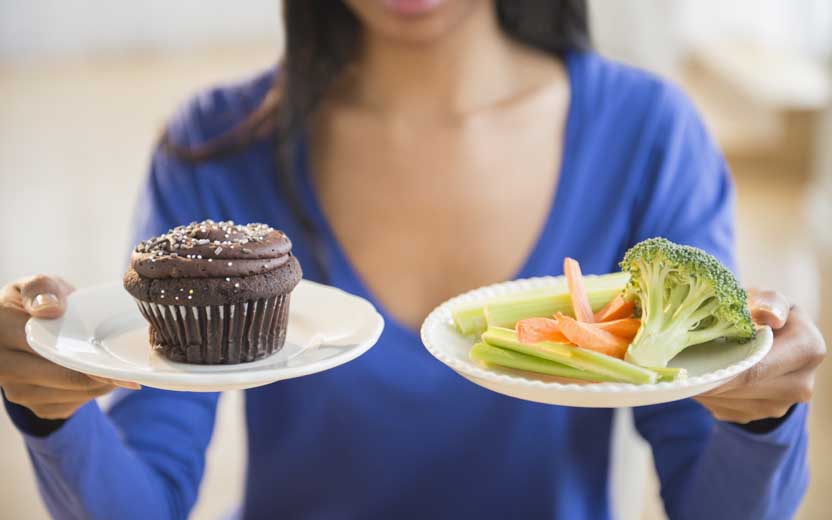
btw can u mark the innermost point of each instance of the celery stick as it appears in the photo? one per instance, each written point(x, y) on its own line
point(507, 338)
point(582, 359)
point(506, 358)
point(541, 301)
point(470, 320)
point(508, 313)
point(608, 365)
point(669, 373)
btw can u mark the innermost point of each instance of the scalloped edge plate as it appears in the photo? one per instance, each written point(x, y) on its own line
point(103, 334)
point(708, 365)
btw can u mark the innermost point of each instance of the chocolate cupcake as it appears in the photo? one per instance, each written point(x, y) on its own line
point(215, 292)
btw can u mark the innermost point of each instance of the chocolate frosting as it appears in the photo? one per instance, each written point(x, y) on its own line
point(211, 249)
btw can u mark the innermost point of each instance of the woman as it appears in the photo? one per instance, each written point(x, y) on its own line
point(426, 147)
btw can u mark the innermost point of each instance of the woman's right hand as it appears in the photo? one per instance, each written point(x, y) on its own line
point(48, 390)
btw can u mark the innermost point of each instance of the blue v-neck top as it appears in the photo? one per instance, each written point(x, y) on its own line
point(395, 434)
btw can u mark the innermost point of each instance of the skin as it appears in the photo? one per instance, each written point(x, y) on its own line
point(49, 390)
point(421, 150)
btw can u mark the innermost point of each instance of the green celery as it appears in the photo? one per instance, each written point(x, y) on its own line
point(508, 313)
point(608, 365)
point(582, 359)
point(669, 373)
point(507, 338)
point(506, 310)
point(470, 320)
point(506, 358)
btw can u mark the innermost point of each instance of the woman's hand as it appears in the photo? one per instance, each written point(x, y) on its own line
point(784, 377)
point(48, 390)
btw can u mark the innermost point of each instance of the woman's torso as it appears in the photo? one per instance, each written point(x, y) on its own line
point(395, 434)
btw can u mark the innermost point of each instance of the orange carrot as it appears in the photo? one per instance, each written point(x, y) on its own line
point(580, 301)
point(626, 328)
point(587, 336)
point(533, 330)
point(616, 309)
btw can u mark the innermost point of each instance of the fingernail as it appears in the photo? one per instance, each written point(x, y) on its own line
point(44, 300)
point(781, 312)
point(771, 315)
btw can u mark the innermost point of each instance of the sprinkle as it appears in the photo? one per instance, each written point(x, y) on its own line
point(176, 297)
point(190, 297)
point(217, 250)
point(210, 259)
point(181, 290)
point(229, 264)
point(190, 291)
point(227, 279)
point(236, 285)
point(163, 291)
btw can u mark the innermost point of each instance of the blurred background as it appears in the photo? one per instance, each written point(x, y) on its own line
point(86, 86)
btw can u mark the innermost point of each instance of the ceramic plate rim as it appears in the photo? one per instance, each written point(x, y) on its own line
point(441, 316)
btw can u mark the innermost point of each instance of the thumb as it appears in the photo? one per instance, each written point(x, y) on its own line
point(768, 308)
point(44, 296)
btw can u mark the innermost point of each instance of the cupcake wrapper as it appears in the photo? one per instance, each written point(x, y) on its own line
point(218, 334)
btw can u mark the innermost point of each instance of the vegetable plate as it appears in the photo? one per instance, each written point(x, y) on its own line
point(674, 323)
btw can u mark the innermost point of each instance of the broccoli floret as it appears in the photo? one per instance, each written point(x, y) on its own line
point(686, 297)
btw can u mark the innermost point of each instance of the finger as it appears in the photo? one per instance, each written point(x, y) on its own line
point(795, 387)
point(768, 308)
point(56, 410)
point(116, 382)
point(12, 326)
point(44, 296)
point(34, 395)
point(796, 346)
point(724, 414)
point(770, 367)
point(24, 367)
point(743, 411)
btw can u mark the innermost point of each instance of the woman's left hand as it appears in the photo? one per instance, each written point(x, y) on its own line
point(784, 377)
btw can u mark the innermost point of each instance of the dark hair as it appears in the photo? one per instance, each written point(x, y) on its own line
point(322, 37)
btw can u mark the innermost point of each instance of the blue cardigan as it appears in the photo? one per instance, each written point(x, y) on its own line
point(396, 434)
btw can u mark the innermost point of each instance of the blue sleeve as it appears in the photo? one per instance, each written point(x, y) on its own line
point(709, 469)
point(144, 458)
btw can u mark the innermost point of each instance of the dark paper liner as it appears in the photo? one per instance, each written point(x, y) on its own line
point(218, 334)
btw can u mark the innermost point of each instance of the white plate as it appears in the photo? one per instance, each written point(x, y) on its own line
point(103, 334)
point(708, 365)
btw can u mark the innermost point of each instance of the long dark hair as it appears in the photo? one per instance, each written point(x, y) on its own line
point(322, 38)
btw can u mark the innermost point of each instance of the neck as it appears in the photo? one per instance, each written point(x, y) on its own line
point(472, 66)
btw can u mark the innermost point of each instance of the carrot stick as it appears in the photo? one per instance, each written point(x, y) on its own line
point(575, 280)
point(534, 330)
point(587, 336)
point(626, 328)
point(616, 309)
